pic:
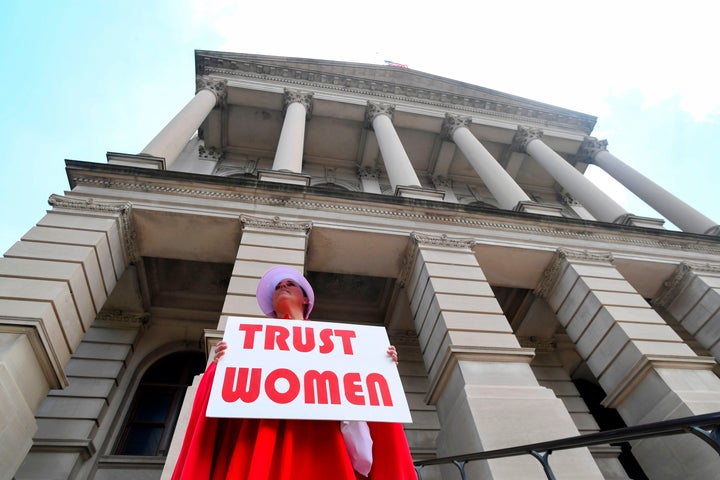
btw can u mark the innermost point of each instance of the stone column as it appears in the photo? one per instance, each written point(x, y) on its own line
point(668, 205)
point(647, 371)
point(692, 297)
point(486, 394)
point(172, 139)
point(289, 153)
point(502, 186)
point(265, 243)
point(600, 205)
point(399, 169)
point(52, 285)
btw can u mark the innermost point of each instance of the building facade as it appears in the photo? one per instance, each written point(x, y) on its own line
point(523, 299)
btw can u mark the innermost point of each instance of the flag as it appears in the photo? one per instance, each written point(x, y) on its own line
point(395, 64)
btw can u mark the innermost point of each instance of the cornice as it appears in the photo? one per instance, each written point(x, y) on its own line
point(344, 77)
point(468, 219)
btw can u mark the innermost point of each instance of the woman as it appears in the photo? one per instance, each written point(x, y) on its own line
point(260, 449)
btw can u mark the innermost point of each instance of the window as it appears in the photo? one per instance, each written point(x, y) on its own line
point(155, 408)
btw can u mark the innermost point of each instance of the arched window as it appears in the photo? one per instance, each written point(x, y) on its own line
point(155, 408)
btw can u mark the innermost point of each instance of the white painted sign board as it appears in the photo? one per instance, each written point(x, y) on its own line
point(296, 369)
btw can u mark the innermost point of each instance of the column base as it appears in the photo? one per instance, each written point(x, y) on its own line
point(138, 160)
point(281, 176)
point(714, 231)
point(637, 221)
point(411, 191)
point(539, 208)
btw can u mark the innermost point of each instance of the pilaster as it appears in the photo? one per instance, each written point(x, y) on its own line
point(266, 242)
point(636, 357)
point(692, 296)
point(68, 418)
point(480, 378)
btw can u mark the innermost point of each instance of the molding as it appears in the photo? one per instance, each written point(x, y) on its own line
point(216, 86)
point(454, 354)
point(85, 446)
point(538, 344)
point(34, 330)
point(120, 319)
point(297, 96)
point(523, 136)
point(452, 122)
point(648, 363)
point(274, 223)
point(465, 219)
point(557, 265)
point(136, 160)
point(122, 210)
point(392, 88)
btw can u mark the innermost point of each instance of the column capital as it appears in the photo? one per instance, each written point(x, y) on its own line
point(683, 273)
point(122, 210)
point(425, 240)
point(557, 266)
point(374, 109)
point(275, 223)
point(418, 240)
point(297, 96)
point(523, 137)
point(589, 147)
point(368, 172)
point(215, 85)
point(440, 181)
point(452, 122)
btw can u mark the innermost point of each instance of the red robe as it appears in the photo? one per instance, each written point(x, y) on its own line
point(264, 449)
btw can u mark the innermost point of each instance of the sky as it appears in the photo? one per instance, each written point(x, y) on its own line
point(83, 78)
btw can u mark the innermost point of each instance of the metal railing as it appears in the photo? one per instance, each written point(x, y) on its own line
point(705, 427)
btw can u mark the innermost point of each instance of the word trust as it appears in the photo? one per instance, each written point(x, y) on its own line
point(276, 337)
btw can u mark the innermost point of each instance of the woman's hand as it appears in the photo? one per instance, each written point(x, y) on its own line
point(392, 351)
point(220, 350)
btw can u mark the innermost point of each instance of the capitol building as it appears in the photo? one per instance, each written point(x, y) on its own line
point(526, 304)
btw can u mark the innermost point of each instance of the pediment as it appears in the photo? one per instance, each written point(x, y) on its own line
point(391, 84)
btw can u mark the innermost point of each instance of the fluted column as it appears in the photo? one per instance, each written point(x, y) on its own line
point(668, 205)
point(501, 185)
point(289, 153)
point(397, 164)
point(172, 139)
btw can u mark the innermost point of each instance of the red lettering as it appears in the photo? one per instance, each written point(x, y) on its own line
point(375, 381)
point(250, 331)
point(276, 335)
point(346, 336)
point(236, 385)
point(309, 342)
point(325, 384)
point(282, 397)
point(326, 345)
point(353, 389)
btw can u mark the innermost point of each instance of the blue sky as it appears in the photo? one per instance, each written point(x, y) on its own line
point(82, 78)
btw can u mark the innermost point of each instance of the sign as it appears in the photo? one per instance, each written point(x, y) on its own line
point(307, 370)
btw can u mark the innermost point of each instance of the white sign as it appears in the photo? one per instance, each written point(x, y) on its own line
point(307, 370)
